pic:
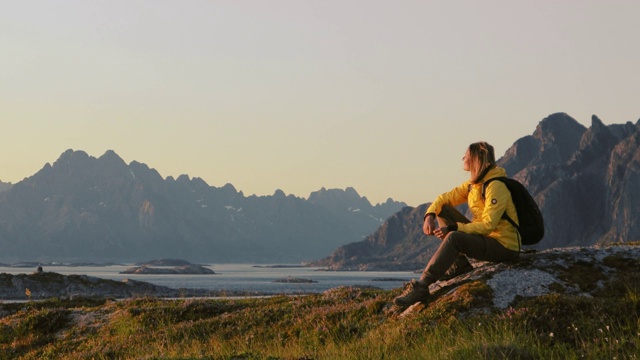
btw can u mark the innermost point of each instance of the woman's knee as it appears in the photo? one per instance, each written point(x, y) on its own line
point(455, 239)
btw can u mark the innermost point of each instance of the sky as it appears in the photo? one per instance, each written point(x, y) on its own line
point(381, 96)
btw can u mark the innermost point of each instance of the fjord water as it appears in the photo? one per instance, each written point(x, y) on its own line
point(242, 277)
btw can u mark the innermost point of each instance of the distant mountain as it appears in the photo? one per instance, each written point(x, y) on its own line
point(101, 209)
point(347, 204)
point(585, 180)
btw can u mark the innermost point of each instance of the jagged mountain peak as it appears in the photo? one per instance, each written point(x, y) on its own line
point(229, 188)
point(348, 193)
point(339, 200)
point(183, 178)
point(195, 183)
point(597, 135)
point(198, 181)
point(78, 161)
point(111, 156)
point(554, 141)
point(556, 126)
point(597, 124)
point(142, 172)
point(138, 165)
point(351, 191)
point(71, 156)
point(559, 135)
point(73, 153)
point(389, 201)
point(598, 141)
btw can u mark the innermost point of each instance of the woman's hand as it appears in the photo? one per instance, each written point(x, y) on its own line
point(441, 233)
point(429, 225)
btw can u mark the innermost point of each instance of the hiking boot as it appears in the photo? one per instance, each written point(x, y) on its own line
point(459, 267)
point(414, 292)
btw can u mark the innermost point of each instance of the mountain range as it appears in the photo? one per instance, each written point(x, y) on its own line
point(586, 182)
point(82, 208)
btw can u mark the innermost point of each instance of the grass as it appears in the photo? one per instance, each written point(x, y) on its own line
point(344, 323)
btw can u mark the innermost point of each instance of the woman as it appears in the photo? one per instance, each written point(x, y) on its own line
point(488, 237)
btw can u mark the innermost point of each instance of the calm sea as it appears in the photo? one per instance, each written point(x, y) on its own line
point(244, 277)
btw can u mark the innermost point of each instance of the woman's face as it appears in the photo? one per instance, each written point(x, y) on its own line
point(465, 161)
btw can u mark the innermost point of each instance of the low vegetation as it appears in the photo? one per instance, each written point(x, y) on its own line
point(343, 323)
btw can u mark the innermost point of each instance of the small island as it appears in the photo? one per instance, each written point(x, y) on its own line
point(277, 266)
point(293, 280)
point(164, 262)
point(190, 269)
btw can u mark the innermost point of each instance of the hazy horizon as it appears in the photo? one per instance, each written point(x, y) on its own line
point(380, 96)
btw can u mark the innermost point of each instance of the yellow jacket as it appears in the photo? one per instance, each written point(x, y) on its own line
point(487, 215)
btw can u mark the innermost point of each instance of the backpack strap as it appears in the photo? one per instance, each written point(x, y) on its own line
point(484, 198)
point(486, 184)
point(504, 214)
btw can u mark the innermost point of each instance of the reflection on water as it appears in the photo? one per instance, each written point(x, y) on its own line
point(245, 277)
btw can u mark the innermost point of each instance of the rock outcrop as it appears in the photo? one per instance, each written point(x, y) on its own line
point(42, 285)
point(593, 272)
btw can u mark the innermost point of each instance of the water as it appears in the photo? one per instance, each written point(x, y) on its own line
point(242, 277)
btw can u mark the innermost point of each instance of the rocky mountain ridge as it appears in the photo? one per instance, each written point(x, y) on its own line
point(585, 180)
point(101, 209)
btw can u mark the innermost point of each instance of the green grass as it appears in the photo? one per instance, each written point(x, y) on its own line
point(345, 323)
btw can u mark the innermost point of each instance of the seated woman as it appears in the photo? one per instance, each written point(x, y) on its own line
point(487, 237)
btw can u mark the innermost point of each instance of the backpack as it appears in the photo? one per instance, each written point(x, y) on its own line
point(531, 228)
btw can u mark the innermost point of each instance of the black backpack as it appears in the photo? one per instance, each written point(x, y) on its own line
point(531, 226)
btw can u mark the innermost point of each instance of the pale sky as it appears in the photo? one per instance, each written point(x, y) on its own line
point(382, 96)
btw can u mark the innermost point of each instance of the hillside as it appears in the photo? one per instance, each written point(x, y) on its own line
point(585, 180)
point(560, 304)
point(82, 208)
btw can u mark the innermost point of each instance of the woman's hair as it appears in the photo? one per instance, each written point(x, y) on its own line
point(481, 159)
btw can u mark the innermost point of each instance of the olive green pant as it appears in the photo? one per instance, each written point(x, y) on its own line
point(456, 243)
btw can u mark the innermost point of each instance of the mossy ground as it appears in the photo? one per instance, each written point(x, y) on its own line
point(345, 323)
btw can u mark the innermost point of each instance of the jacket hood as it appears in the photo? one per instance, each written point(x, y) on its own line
point(494, 172)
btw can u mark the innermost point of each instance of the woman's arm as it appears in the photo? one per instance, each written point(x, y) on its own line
point(456, 196)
